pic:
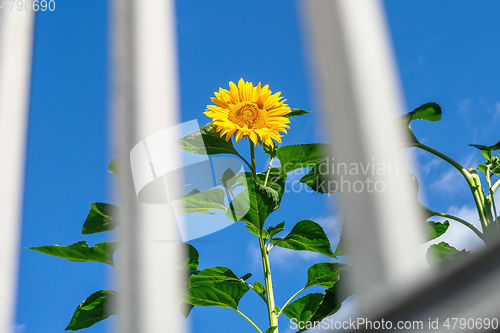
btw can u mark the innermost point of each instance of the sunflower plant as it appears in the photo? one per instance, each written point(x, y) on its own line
point(482, 191)
point(253, 113)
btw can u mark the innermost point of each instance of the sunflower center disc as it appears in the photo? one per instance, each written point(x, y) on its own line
point(249, 114)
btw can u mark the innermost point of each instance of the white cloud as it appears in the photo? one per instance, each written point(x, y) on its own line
point(464, 106)
point(451, 181)
point(497, 109)
point(19, 328)
point(430, 165)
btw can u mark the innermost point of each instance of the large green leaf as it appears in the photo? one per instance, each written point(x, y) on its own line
point(320, 178)
point(436, 229)
point(303, 309)
point(206, 141)
point(295, 113)
point(253, 205)
point(308, 311)
point(324, 274)
point(94, 309)
point(204, 202)
point(442, 252)
point(100, 218)
point(330, 304)
point(216, 286)
point(80, 251)
point(306, 235)
point(301, 156)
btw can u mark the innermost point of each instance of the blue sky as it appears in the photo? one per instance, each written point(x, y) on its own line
point(447, 52)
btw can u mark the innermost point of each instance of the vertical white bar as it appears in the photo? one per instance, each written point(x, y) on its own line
point(16, 39)
point(357, 84)
point(146, 101)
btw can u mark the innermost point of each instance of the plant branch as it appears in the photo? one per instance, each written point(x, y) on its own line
point(251, 322)
point(467, 224)
point(495, 186)
point(289, 300)
point(268, 170)
point(475, 188)
point(251, 287)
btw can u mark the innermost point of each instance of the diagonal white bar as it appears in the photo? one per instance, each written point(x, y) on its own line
point(16, 35)
point(358, 87)
point(146, 101)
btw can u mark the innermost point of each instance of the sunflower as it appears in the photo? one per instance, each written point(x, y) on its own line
point(245, 110)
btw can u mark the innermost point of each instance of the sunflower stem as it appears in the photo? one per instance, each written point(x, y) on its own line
point(273, 316)
point(252, 156)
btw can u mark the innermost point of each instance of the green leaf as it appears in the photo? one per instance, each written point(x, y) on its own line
point(340, 250)
point(318, 179)
point(295, 113)
point(269, 150)
point(436, 229)
point(310, 310)
point(324, 274)
point(206, 141)
point(259, 287)
point(246, 276)
point(496, 171)
point(306, 236)
point(228, 179)
point(276, 180)
point(113, 167)
point(204, 202)
point(94, 309)
point(429, 111)
point(330, 303)
point(273, 230)
point(496, 146)
point(271, 329)
point(483, 168)
point(80, 251)
point(303, 309)
point(216, 286)
point(193, 257)
point(213, 275)
point(253, 205)
point(301, 156)
point(442, 252)
point(99, 218)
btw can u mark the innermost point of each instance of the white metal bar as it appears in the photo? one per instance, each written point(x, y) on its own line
point(358, 87)
point(146, 102)
point(16, 35)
